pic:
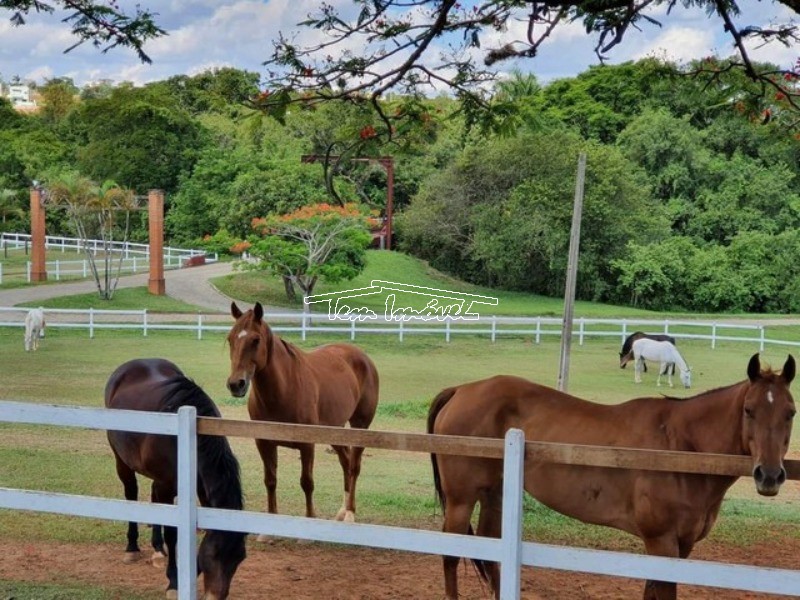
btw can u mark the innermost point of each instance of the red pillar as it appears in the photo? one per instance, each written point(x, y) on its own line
point(388, 164)
point(38, 266)
point(155, 203)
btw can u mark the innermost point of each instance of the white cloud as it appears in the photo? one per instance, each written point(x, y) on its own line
point(679, 44)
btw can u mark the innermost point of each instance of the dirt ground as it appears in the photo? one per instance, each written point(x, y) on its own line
point(304, 571)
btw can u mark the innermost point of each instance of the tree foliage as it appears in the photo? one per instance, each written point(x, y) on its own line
point(313, 242)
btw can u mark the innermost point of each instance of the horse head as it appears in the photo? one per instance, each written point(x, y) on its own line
point(767, 414)
point(247, 340)
point(219, 555)
point(686, 377)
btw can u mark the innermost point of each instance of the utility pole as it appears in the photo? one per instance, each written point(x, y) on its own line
point(572, 276)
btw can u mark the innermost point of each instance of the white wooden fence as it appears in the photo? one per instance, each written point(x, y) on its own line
point(491, 327)
point(136, 257)
point(509, 549)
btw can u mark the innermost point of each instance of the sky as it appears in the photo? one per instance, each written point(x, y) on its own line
point(205, 34)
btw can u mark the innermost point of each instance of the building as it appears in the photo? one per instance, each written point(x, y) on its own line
point(19, 94)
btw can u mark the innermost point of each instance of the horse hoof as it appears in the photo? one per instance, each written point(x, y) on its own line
point(349, 517)
point(132, 557)
point(265, 539)
point(158, 559)
point(172, 594)
point(340, 515)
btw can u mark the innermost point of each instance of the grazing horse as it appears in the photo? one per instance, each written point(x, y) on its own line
point(626, 354)
point(34, 328)
point(331, 385)
point(663, 352)
point(158, 385)
point(670, 512)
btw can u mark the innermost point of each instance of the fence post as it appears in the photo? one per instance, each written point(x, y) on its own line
point(187, 507)
point(761, 340)
point(713, 335)
point(447, 329)
point(513, 472)
point(58, 270)
point(624, 330)
point(538, 329)
point(144, 322)
point(91, 322)
point(494, 328)
point(666, 326)
point(27, 267)
point(400, 330)
point(1, 273)
point(580, 331)
point(199, 326)
point(352, 329)
point(303, 326)
point(84, 267)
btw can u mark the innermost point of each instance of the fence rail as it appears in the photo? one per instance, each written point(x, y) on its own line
point(135, 256)
point(509, 549)
point(491, 327)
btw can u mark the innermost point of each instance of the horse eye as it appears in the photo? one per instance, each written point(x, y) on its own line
point(790, 415)
point(748, 412)
point(254, 342)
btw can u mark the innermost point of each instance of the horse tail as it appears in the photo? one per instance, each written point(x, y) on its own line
point(439, 402)
point(437, 405)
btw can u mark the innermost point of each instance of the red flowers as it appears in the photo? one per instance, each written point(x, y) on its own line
point(367, 132)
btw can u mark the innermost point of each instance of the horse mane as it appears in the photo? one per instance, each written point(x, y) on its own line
point(702, 394)
point(217, 466)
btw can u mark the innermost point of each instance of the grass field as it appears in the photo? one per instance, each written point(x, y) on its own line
point(395, 487)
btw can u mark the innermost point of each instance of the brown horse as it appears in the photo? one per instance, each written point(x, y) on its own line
point(158, 385)
point(670, 512)
point(331, 385)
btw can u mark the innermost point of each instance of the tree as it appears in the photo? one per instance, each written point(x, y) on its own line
point(60, 96)
point(399, 50)
point(95, 213)
point(317, 241)
point(102, 24)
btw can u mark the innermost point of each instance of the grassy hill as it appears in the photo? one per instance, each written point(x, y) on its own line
point(396, 267)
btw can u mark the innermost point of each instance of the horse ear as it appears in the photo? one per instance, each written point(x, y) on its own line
point(258, 312)
point(788, 370)
point(235, 312)
point(754, 368)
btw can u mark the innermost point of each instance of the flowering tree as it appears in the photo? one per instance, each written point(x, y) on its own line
point(312, 242)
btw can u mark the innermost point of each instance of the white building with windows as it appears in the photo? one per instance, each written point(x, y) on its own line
point(19, 94)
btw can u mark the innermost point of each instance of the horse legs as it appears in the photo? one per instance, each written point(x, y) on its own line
point(163, 495)
point(156, 537)
point(456, 520)
point(489, 525)
point(347, 511)
point(128, 478)
point(665, 545)
point(307, 477)
point(269, 456)
point(637, 370)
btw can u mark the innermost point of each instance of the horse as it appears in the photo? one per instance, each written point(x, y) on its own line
point(663, 352)
point(670, 512)
point(34, 328)
point(626, 353)
point(333, 385)
point(158, 385)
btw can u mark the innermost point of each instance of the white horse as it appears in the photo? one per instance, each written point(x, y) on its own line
point(34, 328)
point(663, 352)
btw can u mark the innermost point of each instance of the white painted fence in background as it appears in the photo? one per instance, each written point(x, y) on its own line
point(136, 256)
point(491, 327)
point(509, 549)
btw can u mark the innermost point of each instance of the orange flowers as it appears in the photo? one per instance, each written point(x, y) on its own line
point(367, 132)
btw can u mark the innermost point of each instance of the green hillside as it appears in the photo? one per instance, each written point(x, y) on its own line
point(397, 267)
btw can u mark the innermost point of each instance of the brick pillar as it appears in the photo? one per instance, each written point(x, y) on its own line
point(155, 202)
point(38, 266)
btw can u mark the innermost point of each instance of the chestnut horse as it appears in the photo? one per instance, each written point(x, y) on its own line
point(158, 385)
point(670, 512)
point(333, 385)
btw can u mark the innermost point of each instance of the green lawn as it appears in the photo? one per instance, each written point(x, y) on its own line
point(135, 298)
point(395, 488)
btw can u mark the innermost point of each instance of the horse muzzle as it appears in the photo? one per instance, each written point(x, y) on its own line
point(769, 479)
point(238, 386)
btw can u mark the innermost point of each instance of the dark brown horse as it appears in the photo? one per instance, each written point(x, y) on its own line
point(333, 385)
point(626, 354)
point(670, 512)
point(158, 385)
